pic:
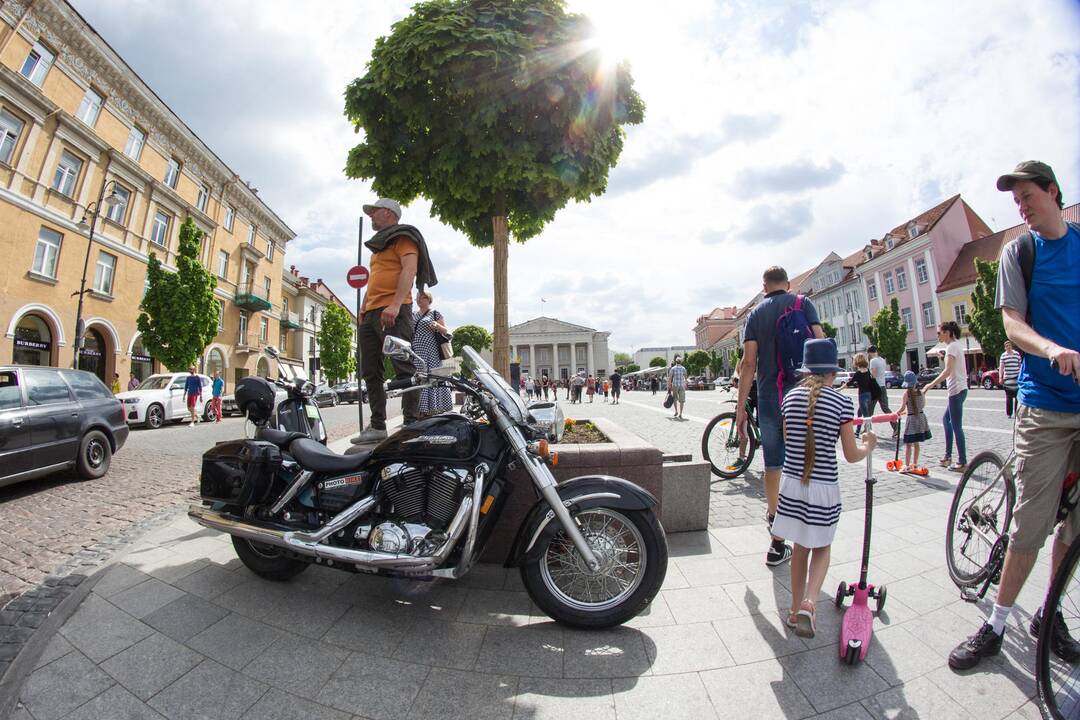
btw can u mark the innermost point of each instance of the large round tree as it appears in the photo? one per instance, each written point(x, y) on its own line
point(497, 111)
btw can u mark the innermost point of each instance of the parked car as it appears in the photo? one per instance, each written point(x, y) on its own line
point(160, 399)
point(325, 395)
point(725, 383)
point(349, 392)
point(990, 379)
point(927, 374)
point(843, 379)
point(893, 379)
point(54, 419)
point(699, 382)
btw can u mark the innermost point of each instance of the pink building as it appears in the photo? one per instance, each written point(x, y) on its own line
point(910, 261)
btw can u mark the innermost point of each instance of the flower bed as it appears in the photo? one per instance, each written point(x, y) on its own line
point(578, 432)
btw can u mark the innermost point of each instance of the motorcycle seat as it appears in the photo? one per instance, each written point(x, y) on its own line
point(316, 457)
point(281, 438)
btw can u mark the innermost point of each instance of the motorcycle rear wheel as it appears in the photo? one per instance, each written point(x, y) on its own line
point(267, 561)
point(633, 552)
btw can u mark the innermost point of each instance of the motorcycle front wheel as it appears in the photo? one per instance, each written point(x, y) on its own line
point(267, 561)
point(632, 551)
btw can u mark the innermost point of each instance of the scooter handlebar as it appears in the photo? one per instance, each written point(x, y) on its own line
point(400, 384)
point(889, 418)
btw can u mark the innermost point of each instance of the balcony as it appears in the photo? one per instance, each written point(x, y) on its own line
point(251, 297)
point(290, 321)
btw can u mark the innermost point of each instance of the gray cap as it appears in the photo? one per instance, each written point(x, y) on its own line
point(391, 205)
point(1027, 170)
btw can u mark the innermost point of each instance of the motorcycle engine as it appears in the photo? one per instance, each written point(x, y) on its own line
point(418, 504)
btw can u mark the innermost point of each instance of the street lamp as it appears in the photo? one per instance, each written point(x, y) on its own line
point(93, 209)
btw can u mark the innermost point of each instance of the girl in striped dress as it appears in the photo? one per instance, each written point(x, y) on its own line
point(815, 416)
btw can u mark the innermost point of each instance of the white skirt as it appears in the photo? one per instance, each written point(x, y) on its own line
point(807, 514)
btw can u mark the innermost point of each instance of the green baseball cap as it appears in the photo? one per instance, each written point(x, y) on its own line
point(1027, 170)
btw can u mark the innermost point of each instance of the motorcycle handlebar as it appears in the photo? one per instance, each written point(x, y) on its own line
point(399, 384)
point(889, 418)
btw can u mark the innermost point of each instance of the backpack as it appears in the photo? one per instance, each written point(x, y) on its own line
point(792, 332)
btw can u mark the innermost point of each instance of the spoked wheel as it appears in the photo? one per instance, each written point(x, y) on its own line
point(841, 594)
point(267, 561)
point(980, 514)
point(632, 551)
point(155, 417)
point(720, 446)
point(1059, 680)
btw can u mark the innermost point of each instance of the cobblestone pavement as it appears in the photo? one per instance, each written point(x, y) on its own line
point(741, 501)
point(57, 521)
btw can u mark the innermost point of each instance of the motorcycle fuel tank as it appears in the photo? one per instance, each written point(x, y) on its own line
point(450, 437)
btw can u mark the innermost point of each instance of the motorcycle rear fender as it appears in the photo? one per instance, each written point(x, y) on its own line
point(580, 493)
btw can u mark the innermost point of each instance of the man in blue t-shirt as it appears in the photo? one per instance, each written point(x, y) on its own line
point(759, 361)
point(1041, 314)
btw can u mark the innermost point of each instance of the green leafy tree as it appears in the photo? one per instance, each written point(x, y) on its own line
point(474, 336)
point(716, 363)
point(623, 359)
point(499, 112)
point(888, 332)
point(828, 329)
point(658, 362)
point(985, 320)
point(632, 367)
point(733, 356)
point(696, 362)
point(179, 315)
point(335, 343)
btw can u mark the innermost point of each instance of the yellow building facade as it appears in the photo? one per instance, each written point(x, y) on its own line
point(75, 121)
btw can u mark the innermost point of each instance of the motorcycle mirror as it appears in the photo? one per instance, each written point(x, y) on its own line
point(396, 347)
point(271, 351)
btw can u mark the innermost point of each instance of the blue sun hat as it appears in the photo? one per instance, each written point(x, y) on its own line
point(819, 357)
point(910, 379)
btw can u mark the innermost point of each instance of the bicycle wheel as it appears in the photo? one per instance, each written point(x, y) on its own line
point(720, 446)
point(980, 514)
point(1058, 680)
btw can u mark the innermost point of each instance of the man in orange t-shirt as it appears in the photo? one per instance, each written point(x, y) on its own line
point(387, 310)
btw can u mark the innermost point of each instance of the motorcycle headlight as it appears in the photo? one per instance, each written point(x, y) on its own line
point(308, 389)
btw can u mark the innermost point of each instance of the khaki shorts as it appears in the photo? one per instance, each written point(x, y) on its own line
point(1047, 449)
point(680, 394)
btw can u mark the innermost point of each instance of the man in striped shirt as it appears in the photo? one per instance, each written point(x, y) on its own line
point(1009, 371)
point(676, 385)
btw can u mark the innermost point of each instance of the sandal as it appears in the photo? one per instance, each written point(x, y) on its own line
point(792, 619)
point(945, 462)
point(957, 467)
point(805, 622)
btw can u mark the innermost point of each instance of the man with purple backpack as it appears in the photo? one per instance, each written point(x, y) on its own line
point(772, 353)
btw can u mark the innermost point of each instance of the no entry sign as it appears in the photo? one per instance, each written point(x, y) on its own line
point(357, 276)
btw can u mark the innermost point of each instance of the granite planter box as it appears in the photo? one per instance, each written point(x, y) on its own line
point(682, 488)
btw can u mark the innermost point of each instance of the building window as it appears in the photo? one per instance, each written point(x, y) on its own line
point(230, 216)
point(118, 210)
point(890, 287)
point(67, 173)
point(960, 313)
point(220, 315)
point(284, 308)
point(10, 129)
point(282, 343)
point(311, 345)
point(920, 271)
point(90, 107)
point(901, 278)
point(159, 232)
point(203, 199)
point(222, 264)
point(270, 250)
point(905, 315)
point(928, 314)
point(46, 253)
point(103, 275)
point(172, 173)
point(134, 145)
point(871, 291)
point(264, 329)
point(37, 64)
point(251, 234)
point(266, 286)
point(243, 328)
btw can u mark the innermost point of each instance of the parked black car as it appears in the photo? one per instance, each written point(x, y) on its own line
point(893, 379)
point(349, 392)
point(54, 419)
point(926, 375)
point(325, 395)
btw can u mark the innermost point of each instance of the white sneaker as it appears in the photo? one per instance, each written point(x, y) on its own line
point(192, 424)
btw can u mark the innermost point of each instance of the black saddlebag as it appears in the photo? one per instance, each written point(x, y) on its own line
point(239, 472)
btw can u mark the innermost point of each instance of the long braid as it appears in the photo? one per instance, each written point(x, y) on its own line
point(815, 383)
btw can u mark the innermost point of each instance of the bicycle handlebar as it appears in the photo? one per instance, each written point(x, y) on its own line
point(889, 418)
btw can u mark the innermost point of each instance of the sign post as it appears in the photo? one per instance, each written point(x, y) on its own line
point(357, 277)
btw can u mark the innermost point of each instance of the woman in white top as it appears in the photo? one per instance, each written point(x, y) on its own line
point(955, 377)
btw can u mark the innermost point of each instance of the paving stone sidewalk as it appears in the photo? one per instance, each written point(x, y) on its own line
point(179, 629)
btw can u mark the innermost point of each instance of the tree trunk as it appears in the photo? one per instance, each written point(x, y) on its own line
point(501, 336)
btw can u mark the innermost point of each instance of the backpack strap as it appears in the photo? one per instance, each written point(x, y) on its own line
point(798, 301)
point(1025, 253)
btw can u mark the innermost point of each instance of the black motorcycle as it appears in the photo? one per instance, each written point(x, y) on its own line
point(424, 502)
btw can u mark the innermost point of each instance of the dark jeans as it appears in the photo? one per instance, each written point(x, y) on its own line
point(372, 334)
point(883, 400)
point(1010, 401)
point(866, 402)
point(954, 426)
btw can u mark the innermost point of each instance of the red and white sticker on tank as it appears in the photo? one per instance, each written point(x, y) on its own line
point(341, 482)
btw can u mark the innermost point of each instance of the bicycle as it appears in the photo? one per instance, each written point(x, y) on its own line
point(727, 452)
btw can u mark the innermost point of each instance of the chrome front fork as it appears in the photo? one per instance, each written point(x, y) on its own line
point(545, 483)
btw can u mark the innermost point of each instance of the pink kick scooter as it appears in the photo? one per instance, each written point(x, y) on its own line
point(858, 625)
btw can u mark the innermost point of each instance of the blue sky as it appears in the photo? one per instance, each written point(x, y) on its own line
point(774, 133)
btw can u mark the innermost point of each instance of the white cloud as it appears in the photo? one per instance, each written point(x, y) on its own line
point(774, 132)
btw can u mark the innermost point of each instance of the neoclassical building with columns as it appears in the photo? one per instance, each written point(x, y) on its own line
point(558, 349)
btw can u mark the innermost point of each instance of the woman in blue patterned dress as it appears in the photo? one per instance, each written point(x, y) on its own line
point(427, 322)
